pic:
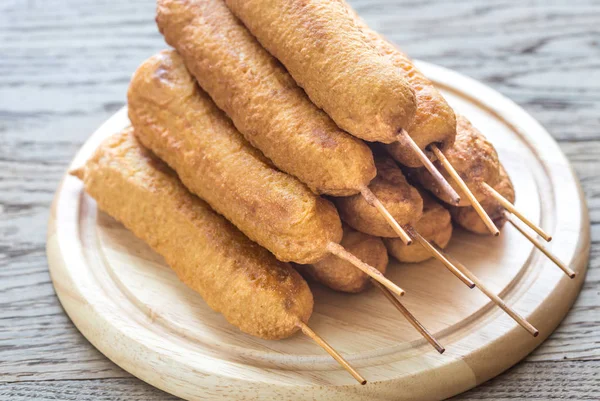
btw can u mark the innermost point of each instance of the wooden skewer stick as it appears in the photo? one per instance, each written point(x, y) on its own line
point(512, 209)
point(498, 301)
point(430, 167)
point(373, 201)
point(342, 253)
point(539, 246)
point(439, 255)
point(411, 319)
point(334, 354)
point(459, 181)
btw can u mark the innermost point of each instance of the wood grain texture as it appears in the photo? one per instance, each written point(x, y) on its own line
point(578, 381)
point(64, 69)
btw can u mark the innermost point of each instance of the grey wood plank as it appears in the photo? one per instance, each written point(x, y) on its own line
point(84, 390)
point(528, 381)
point(541, 381)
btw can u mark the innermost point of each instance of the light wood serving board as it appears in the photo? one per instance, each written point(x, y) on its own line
point(132, 307)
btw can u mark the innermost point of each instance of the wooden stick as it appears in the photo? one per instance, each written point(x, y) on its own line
point(342, 253)
point(335, 355)
point(498, 301)
point(411, 319)
point(511, 208)
point(539, 246)
point(439, 255)
point(430, 167)
point(373, 201)
point(459, 181)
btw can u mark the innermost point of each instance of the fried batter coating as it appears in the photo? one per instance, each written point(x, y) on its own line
point(181, 124)
point(434, 120)
point(262, 99)
point(325, 51)
point(400, 198)
point(467, 217)
point(473, 157)
point(435, 226)
point(236, 277)
point(340, 275)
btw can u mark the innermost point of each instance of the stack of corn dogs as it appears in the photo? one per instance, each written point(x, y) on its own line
point(286, 136)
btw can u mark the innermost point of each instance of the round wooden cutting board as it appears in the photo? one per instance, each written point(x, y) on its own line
point(132, 307)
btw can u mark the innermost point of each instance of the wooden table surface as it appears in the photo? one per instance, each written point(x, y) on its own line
point(65, 66)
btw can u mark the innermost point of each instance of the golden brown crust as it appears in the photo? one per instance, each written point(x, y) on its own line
point(468, 218)
point(434, 120)
point(340, 275)
point(236, 277)
point(262, 99)
point(180, 123)
point(324, 50)
point(435, 226)
point(473, 157)
point(400, 198)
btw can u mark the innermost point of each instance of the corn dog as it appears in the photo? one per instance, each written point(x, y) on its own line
point(473, 157)
point(255, 292)
point(434, 120)
point(499, 206)
point(326, 53)
point(390, 186)
point(262, 99)
point(474, 166)
point(180, 123)
point(404, 200)
point(467, 217)
point(435, 226)
point(340, 275)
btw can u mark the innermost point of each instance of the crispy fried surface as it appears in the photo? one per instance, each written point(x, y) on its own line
point(324, 50)
point(468, 218)
point(262, 99)
point(473, 157)
point(435, 226)
point(340, 275)
point(236, 277)
point(400, 198)
point(434, 120)
point(180, 123)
